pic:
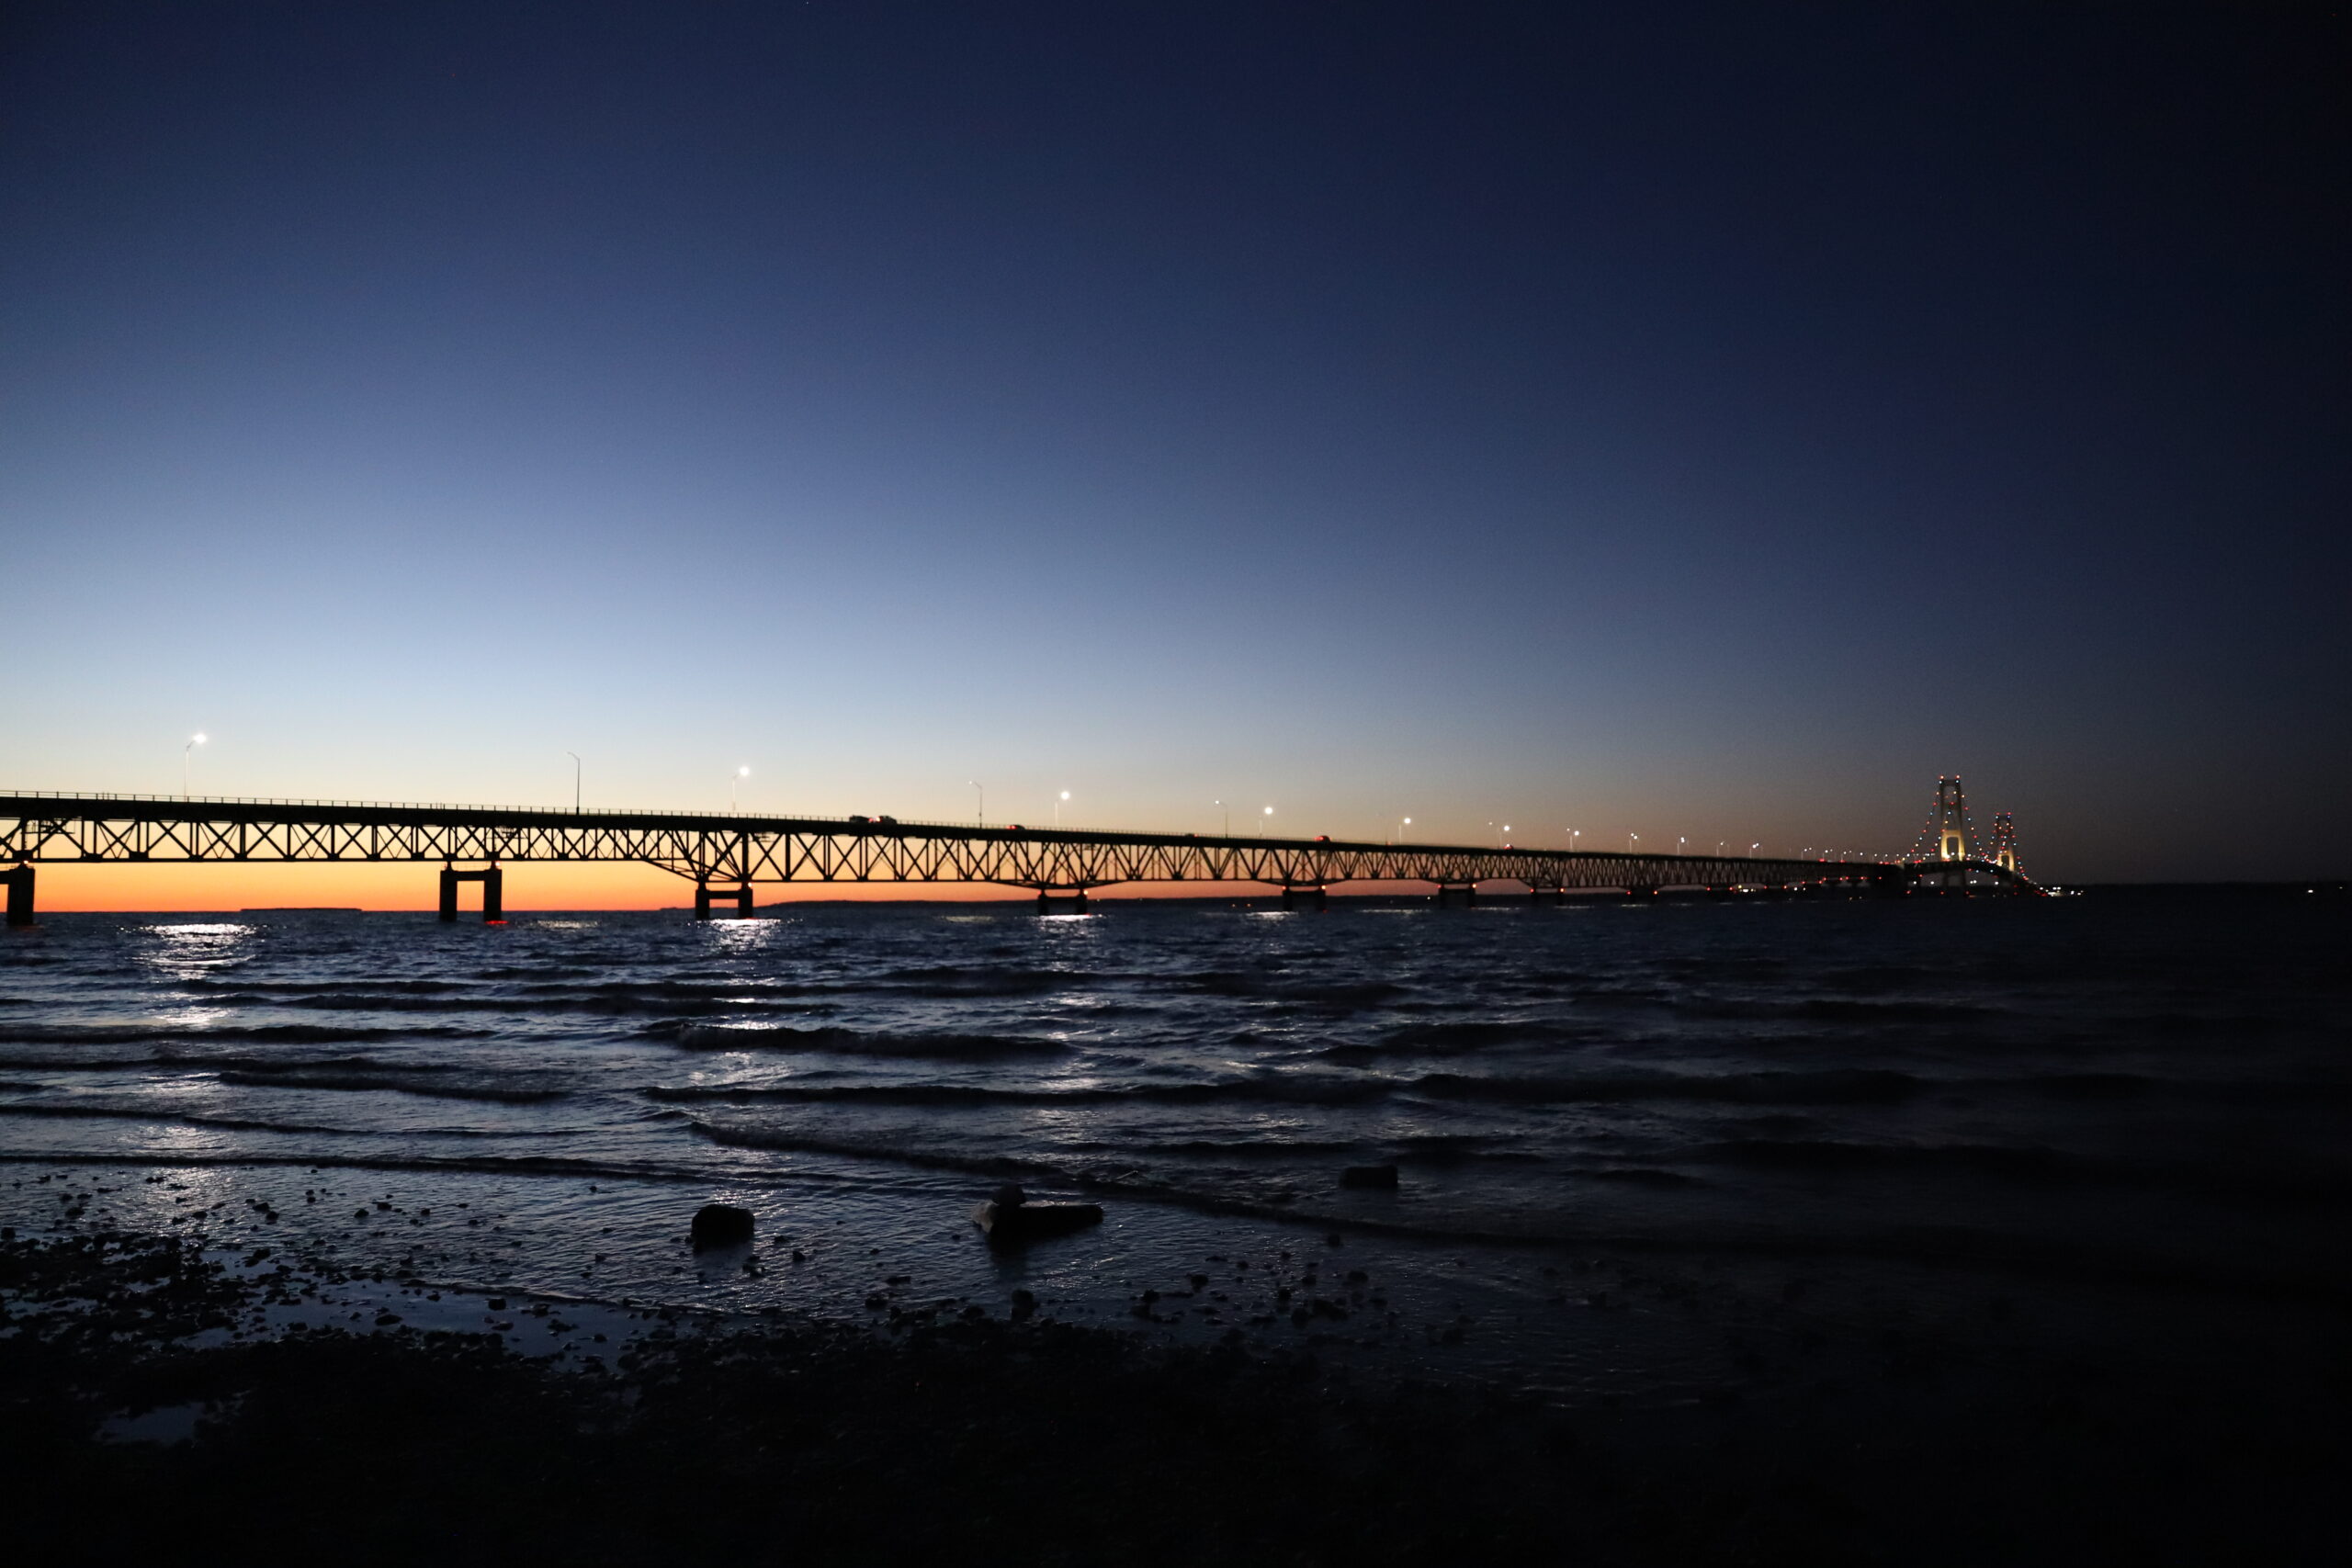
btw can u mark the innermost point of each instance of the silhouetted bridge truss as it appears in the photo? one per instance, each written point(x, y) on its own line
point(725, 855)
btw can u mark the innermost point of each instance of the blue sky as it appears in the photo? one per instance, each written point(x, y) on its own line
point(1699, 424)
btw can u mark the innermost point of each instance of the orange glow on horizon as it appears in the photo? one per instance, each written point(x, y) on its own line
point(214, 887)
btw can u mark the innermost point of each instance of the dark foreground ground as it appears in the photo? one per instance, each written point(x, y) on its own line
point(985, 1441)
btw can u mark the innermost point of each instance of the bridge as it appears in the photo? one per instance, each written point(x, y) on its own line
point(726, 854)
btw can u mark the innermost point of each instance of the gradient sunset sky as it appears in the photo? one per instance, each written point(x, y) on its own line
point(1707, 422)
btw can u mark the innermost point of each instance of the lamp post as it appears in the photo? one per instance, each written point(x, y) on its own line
point(1631, 839)
point(1270, 811)
point(187, 767)
point(1680, 843)
point(575, 779)
point(1400, 829)
point(1573, 834)
point(733, 784)
point(1752, 849)
point(1228, 816)
point(1058, 808)
point(982, 819)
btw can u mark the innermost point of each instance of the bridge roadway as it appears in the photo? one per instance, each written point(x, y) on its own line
point(724, 854)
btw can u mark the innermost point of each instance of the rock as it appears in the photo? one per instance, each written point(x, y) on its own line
point(721, 1225)
point(1008, 1196)
point(1015, 1223)
point(1025, 1305)
point(1369, 1175)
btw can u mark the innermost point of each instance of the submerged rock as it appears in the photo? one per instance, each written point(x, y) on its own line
point(1009, 1218)
point(721, 1225)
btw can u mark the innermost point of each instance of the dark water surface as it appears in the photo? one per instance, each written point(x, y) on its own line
point(2107, 1106)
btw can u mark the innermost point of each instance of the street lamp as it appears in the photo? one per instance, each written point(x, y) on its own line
point(1631, 839)
point(1228, 816)
point(1678, 843)
point(1270, 811)
point(187, 767)
point(575, 779)
point(1573, 834)
point(1752, 849)
point(733, 783)
point(983, 818)
point(1058, 808)
point(1400, 830)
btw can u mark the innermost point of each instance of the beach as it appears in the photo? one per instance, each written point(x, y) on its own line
point(273, 1236)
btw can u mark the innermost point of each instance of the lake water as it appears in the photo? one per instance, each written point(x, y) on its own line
point(2112, 1104)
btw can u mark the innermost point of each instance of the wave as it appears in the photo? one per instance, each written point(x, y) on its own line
point(210, 1061)
point(1462, 1037)
point(208, 985)
point(1846, 1086)
point(1245, 985)
point(256, 1033)
point(838, 1041)
point(600, 1004)
point(1290, 1089)
point(435, 1089)
point(964, 980)
point(175, 1118)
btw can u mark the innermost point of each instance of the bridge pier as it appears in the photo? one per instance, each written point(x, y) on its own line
point(493, 901)
point(1543, 896)
point(739, 896)
point(20, 896)
point(1046, 902)
point(1305, 897)
point(1449, 897)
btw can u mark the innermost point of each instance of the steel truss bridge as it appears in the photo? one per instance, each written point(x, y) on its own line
point(724, 856)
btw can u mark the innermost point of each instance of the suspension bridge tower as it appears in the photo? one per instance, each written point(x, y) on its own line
point(2005, 841)
point(1947, 834)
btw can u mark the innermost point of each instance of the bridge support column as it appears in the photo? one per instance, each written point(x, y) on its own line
point(20, 896)
point(493, 893)
point(1451, 898)
point(1305, 897)
point(739, 896)
point(1046, 902)
point(1540, 895)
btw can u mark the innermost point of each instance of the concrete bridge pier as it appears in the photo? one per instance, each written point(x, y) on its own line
point(1046, 902)
point(739, 896)
point(493, 901)
point(1307, 896)
point(1453, 897)
point(1543, 896)
point(20, 896)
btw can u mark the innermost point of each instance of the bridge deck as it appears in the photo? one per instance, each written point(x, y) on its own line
point(723, 847)
point(707, 847)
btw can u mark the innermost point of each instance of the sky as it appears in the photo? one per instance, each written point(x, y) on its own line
point(1707, 422)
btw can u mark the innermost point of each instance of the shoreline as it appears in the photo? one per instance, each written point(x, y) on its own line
point(205, 1376)
point(145, 1427)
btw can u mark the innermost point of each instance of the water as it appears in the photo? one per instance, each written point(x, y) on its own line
point(2100, 1103)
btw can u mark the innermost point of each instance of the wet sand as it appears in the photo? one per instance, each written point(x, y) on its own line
point(187, 1396)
